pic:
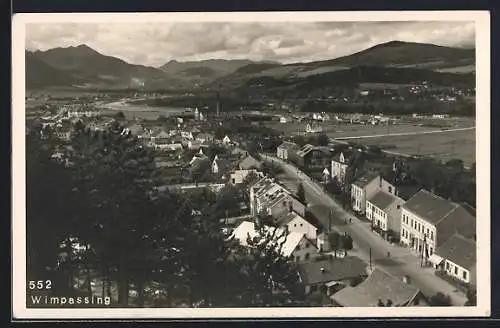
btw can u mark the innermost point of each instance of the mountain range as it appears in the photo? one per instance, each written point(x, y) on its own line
point(84, 67)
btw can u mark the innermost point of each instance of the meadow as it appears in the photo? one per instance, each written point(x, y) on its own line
point(442, 146)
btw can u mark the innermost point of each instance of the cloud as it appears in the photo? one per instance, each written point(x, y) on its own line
point(156, 43)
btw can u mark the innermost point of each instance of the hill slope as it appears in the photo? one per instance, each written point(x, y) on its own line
point(95, 69)
point(394, 54)
point(39, 74)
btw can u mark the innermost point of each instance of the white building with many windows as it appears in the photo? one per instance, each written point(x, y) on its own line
point(365, 187)
point(384, 210)
point(427, 221)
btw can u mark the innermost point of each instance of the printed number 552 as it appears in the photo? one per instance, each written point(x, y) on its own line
point(40, 284)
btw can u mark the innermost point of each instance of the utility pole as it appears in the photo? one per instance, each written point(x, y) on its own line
point(423, 251)
point(370, 259)
point(330, 221)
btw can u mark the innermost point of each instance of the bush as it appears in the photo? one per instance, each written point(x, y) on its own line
point(440, 299)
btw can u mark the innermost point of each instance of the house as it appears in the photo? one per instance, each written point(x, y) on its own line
point(281, 202)
point(384, 211)
point(378, 287)
point(428, 221)
point(135, 129)
point(365, 187)
point(457, 258)
point(226, 140)
point(326, 175)
point(292, 245)
point(311, 157)
point(197, 157)
point(249, 162)
point(239, 176)
point(187, 135)
point(331, 274)
point(160, 138)
point(293, 222)
point(313, 128)
point(339, 166)
point(285, 149)
point(205, 137)
point(268, 197)
point(221, 166)
point(169, 147)
point(194, 144)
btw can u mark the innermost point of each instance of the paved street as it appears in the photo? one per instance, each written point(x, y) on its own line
point(401, 262)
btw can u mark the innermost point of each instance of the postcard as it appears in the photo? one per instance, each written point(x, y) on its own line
point(251, 165)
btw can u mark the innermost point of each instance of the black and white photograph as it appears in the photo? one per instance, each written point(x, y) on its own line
point(184, 165)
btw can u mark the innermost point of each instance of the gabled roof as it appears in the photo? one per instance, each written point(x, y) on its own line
point(224, 164)
point(162, 134)
point(288, 217)
point(249, 162)
point(382, 200)
point(429, 206)
point(277, 237)
point(459, 250)
point(305, 150)
point(365, 179)
point(335, 269)
point(379, 285)
point(205, 135)
point(289, 145)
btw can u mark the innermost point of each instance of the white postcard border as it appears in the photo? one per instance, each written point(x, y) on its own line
point(482, 29)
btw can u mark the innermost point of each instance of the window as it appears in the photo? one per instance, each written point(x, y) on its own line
point(301, 225)
point(398, 206)
point(432, 234)
point(307, 256)
point(464, 275)
point(298, 247)
point(297, 259)
point(447, 265)
point(295, 225)
point(390, 189)
point(456, 270)
point(427, 232)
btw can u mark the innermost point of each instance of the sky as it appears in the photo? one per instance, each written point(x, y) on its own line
point(154, 44)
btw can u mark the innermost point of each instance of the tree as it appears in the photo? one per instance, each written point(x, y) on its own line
point(270, 168)
point(440, 299)
point(301, 193)
point(380, 303)
point(49, 200)
point(323, 140)
point(471, 297)
point(348, 242)
point(334, 240)
point(120, 115)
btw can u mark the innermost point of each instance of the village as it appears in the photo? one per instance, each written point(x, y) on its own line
point(279, 190)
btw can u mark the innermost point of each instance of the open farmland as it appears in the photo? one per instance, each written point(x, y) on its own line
point(409, 125)
point(443, 146)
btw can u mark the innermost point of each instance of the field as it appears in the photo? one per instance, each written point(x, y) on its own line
point(409, 125)
point(443, 146)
